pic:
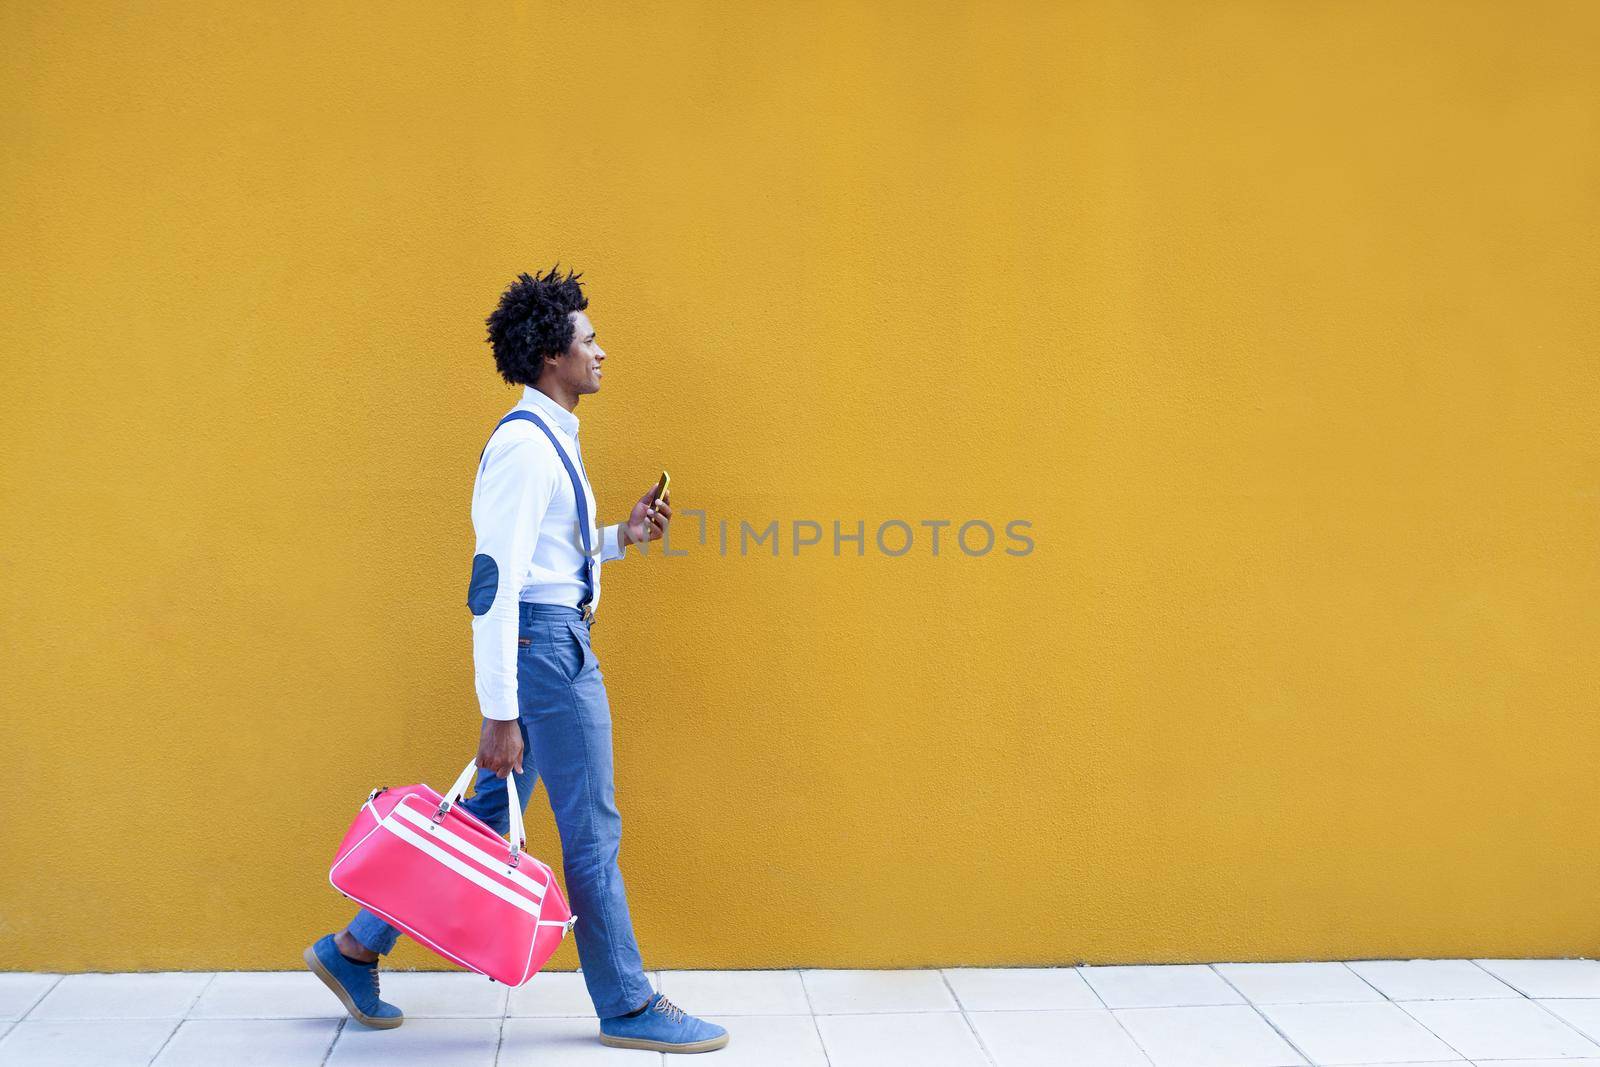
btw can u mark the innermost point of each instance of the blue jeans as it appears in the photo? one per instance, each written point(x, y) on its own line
point(566, 734)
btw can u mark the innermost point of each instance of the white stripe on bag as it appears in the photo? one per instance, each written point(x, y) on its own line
point(411, 837)
point(494, 863)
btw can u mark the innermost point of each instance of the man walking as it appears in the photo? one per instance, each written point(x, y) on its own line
point(534, 588)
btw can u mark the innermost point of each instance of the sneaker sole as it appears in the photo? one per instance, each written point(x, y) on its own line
point(356, 1013)
point(708, 1045)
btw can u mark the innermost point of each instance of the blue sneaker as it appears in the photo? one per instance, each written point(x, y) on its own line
point(662, 1027)
point(356, 984)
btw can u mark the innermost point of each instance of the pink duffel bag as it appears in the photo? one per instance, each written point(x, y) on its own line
point(432, 869)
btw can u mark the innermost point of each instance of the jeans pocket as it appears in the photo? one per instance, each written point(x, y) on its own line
point(569, 653)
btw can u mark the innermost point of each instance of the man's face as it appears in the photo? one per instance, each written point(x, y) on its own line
point(579, 368)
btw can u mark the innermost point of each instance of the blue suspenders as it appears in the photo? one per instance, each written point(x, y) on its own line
point(584, 605)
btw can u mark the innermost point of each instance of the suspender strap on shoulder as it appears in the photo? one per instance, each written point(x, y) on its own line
point(585, 605)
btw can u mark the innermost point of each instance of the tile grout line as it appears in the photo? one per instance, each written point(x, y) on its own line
point(1526, 996)
point(51, 988)
point(1494, 977)
point(1364, 980)
point(203, 991)
point(1302, 1053)
point(962, 1008)
point(815, 1025)
point(1078, 970)
point(1440, 1037)
point(337, 1032)
point(183, 1018)
point(176, 1023)
point(1497, 978)
point(500, 1035)
point(1568, 1022)
point(1530, 997)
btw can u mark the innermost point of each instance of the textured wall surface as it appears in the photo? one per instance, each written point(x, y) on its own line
point(1276, 321)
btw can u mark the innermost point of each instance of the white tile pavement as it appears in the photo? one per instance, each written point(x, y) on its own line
point(457, 1042)
point(1020, 989)
point(1500, 1029)
point(863, 992)
point(1581, 1015)
point(122, 996)
point(1548, 978)
point(1431, 979)
point(1362, 1013)
point(898, 1039)
point(1297, 983)
point(1356, 1033)
point(1181, 985)
point(215, 1042)
point(1075, 1038)
point(1223, 1035)
point(733, 992)
point(769, 1041)
point(19, 993)
point(77, 1042)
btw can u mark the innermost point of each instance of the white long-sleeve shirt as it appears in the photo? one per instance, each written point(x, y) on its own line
point(525, 517)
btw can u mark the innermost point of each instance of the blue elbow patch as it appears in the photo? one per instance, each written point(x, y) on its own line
point(485, 581)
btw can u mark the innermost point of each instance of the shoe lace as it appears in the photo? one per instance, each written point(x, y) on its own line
point(373, 971)
point(670, 1010)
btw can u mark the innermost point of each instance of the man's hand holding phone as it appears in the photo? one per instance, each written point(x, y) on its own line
point(650, 515)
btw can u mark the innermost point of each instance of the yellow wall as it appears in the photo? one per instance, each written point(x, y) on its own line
point(1277, 321)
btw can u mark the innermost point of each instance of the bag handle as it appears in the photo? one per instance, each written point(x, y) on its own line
point(519, 836)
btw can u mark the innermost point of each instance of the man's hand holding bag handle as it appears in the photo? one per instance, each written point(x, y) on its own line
point(500, 746)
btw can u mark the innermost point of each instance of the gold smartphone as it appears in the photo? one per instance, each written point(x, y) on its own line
point(661, 486)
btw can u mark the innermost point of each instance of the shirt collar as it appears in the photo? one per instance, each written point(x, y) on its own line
point(564, 420)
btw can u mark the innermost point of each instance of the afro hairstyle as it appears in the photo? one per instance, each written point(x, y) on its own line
point(533, 321)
